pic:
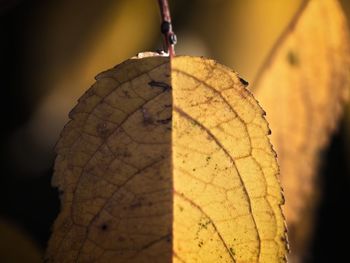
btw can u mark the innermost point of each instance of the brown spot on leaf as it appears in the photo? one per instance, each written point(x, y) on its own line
point(292, 58)
point(126, 94)
point(147, 118)
point(165, 121)
point(102, 129)
point(244, 82)
point(104, 227)
point(159, 84)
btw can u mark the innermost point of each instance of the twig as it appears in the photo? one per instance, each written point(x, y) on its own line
point(166, 27)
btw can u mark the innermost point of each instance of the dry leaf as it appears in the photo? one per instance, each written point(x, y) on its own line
point(302, 87)
point(167, 162)
point(227, 197)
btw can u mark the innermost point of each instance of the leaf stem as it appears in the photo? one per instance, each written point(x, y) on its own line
point(166, 27)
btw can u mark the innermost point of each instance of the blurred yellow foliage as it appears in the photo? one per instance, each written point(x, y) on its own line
point(303, 87)
point(16, 246)
point(241, 33)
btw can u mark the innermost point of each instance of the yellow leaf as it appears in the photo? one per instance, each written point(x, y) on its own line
point(167, 162)
point(302, 87)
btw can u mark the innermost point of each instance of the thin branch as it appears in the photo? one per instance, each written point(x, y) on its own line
point(166, 27)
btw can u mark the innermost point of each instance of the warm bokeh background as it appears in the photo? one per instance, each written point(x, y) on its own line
point(50, 53)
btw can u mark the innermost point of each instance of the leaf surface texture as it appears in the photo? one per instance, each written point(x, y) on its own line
point(167, 161)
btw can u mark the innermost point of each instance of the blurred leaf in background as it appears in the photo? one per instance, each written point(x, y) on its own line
point(303, 87)
point(16, 245)
point(241, 33)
